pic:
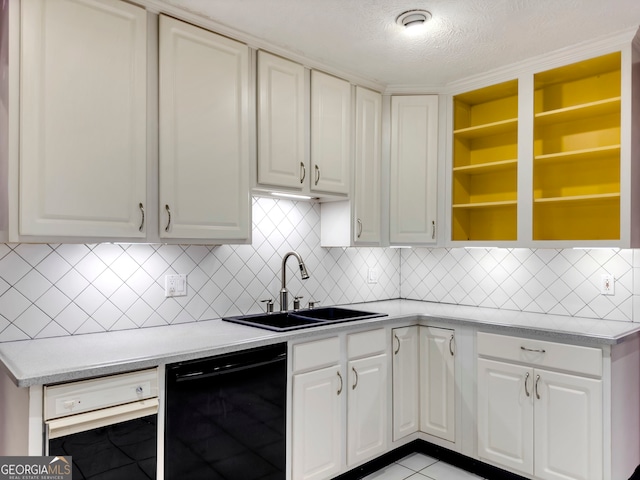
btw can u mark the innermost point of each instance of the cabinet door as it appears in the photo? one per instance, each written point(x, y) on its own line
point(317, 424)
point(505, 415)
point(280, 122)
point(204, 140)
point(83, 118)
point(437, 383)
point(366, 192)
point(330, 133)
point(406, 382)
point(414, 166)
point(568, 426)
point(367, 408)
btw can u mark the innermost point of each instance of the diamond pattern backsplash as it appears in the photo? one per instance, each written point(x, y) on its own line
point(67, 289)
point(561, 282)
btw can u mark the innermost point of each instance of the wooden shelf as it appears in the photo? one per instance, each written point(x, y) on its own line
point(580, 155)
point(579, 198)
point(578, 112)
point(505, 203)
point(488, 167)
point(488, 129)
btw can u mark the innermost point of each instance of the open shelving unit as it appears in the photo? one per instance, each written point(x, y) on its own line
point(485, 163)
point(576, 163)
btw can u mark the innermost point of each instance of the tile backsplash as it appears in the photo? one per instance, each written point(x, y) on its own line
point(68, 289)
point(560, 282)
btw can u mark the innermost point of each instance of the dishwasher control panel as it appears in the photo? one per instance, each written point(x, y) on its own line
point(88, 395)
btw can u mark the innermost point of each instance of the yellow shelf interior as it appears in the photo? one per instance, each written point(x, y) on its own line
point(485, 165)
point(576, 171)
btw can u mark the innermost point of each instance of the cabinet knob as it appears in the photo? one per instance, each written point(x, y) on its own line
point(139, 390)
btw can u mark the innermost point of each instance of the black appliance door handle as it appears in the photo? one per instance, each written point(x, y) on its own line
point(227, 368)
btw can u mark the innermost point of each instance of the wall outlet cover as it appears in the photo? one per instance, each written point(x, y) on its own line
point(175, 286)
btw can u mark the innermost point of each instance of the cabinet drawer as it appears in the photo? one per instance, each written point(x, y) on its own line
point(316, 354)
point(561, 356)
point(366, 343)
point(88, 395)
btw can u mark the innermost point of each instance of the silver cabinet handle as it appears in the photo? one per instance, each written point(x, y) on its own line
point(139, 390)
point(537, 392)
point(433, 230)
point(317, 175)
point(166, 207)
point(536, 350)
point(526, 381)
point(451, 346)
point(355, 384)
point(398, 340)
point(359, 228)
point(141, 207)
point(303, 172)
point(341, 383)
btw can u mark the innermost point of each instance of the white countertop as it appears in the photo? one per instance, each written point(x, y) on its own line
point(52, 360)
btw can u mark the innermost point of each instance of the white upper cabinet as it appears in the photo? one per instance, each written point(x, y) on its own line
point(281, 121)
point(366, 191)
point(204, 134)
point(330, 133)
point(356, 221)
point(414, 169)
point(82, 166)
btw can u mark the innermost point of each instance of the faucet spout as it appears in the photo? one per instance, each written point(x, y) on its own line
point(284, 293)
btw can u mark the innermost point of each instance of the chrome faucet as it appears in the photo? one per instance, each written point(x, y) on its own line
point(284, 293)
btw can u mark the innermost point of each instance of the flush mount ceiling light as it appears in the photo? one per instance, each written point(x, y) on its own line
point(413, 18)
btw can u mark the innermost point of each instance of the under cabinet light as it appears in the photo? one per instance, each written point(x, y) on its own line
point(292, 195)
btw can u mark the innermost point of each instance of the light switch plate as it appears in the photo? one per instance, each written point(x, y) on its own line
point(175, 286)
point(372, 276)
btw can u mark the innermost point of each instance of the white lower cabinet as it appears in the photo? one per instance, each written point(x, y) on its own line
point(323, 380)
point(437, 382)
point(317, 423)
point(406, 381)
point(535, 420)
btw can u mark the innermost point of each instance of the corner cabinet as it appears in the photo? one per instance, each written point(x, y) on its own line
point(330, 134)
point(83, 131)
point(406, 381)
point(204, 134)
point(414, 169)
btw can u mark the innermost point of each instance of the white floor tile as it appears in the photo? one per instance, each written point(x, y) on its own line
point(444, 471)
point(417, 461)
point(392, 472)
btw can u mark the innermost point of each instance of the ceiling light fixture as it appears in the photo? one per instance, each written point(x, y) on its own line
point(413, 18)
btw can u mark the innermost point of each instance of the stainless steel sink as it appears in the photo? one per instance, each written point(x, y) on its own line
point(294, 320)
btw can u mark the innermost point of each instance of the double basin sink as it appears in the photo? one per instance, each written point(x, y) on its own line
point(294, 320)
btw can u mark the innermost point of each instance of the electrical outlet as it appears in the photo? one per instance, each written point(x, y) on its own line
point(607, 284)
point(372, 276)
point(175, 286)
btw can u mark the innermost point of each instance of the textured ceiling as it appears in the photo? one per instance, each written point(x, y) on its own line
point(464, 38)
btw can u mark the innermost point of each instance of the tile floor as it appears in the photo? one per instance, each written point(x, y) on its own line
point(418, 466)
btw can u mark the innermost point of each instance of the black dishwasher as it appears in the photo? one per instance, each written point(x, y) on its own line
point(226, 416)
